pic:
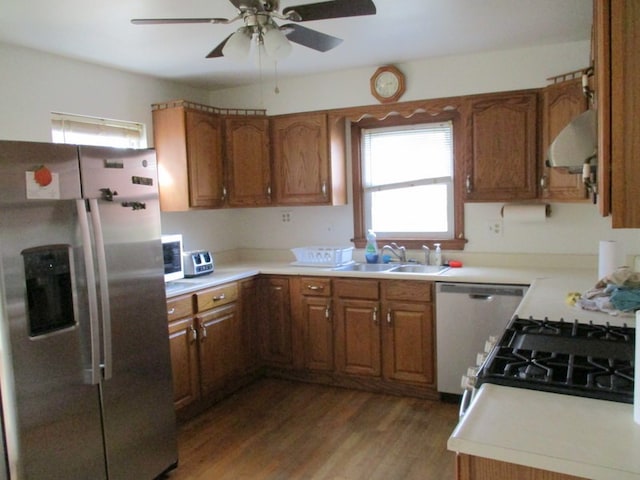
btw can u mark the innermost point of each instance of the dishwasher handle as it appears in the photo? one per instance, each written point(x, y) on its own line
point(480, 296)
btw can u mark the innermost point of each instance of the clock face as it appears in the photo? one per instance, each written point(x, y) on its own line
point(387, 84)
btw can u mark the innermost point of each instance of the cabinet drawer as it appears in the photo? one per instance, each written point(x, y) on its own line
point(417, 291)
point(365, 289)
point(179, 307)
point(315, 286)
point(216, 296)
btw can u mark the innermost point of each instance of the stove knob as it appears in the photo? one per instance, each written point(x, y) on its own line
point(467, 382)
point(481, 357)
point(488, 345)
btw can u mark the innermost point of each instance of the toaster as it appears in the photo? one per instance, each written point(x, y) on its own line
point(197, 262)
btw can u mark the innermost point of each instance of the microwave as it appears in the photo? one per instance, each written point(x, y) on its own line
point(172, 252)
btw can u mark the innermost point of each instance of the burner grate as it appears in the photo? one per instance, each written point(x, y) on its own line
point(564, 357)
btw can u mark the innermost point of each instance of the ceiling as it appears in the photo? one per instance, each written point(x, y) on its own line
point(401, 31)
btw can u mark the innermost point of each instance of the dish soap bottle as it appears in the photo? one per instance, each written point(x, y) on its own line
point(371, 250)
point(437, 255)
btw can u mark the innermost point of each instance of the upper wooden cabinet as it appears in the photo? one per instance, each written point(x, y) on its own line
point(561, 103)
point(501, 134)
point(188, 144)
point(247, 161)
point(308, 159)
point(617, 70)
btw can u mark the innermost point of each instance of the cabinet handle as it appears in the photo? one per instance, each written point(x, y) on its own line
point(194, 334)
point(171, 311)
point(327, 311)
point(218, 298)
point(543, 182)
point(389, 317)
point(269, 191)
point(315, 287)
point(203, 332)
point(468, 184)
point(375, 315)
point(224, 193)
point(324, 188)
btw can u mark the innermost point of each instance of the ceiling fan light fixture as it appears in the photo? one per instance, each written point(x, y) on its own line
point(238, 45)
point(276, 44)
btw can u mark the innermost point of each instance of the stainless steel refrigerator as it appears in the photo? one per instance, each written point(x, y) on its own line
point(84, 353)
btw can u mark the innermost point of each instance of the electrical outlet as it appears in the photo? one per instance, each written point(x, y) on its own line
point(286, 217)
point(494, 227)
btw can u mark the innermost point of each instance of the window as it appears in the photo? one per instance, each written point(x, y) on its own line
point(83, 130)
point(407, 180)
point(405, 184)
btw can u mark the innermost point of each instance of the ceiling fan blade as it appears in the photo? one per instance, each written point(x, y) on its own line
point(310, 38)
point(331, 9)
point(217, 52)
point(155, 21)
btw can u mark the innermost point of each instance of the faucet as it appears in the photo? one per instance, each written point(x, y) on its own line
point(426, 254)
point(399, 252)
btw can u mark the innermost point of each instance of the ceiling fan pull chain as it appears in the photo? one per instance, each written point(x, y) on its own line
point(276, 89)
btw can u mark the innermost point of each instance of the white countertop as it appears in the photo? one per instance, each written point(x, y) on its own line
point(594, 439)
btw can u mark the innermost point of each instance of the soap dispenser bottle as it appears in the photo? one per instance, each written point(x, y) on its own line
point(371, 250)
point(437, 255)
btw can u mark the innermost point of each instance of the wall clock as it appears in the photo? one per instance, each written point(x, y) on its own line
point(387, 84)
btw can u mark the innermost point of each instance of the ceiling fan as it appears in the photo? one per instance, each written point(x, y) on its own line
point(259, 17)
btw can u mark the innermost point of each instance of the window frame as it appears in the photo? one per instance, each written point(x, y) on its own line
point(97, 123)
point(395, 120)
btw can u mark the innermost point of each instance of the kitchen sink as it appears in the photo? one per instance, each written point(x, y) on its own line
point(390, 267)
point(431, 269)
point(365, 267)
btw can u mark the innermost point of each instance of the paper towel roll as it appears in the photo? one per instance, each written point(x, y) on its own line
point(524, 213)
point(636, 379)
point(607, 258)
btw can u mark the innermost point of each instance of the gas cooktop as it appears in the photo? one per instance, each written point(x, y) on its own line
point(573, 358)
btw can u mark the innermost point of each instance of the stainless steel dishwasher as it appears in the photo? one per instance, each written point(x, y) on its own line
point(466, 316)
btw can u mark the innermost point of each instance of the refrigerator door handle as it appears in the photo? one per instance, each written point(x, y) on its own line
point(93, 375)
point(107, 369)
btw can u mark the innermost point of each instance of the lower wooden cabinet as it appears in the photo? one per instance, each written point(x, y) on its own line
point(469, 467)
point(408, 342)
point(357, 311)
point(219, 347)
point(207, 341)
point(317, 323)
point(276, 346)
point(369, 333)
point(184, 361)
point(375, 334)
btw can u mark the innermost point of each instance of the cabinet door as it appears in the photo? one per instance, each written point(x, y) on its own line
point(204, 154)
point(357, 337)
point(318, 331)
point(502, 147)
point(247, 161)
point(561, 103)
point(219, 340)
point(625, 109)
point(276, 326)
point(469, 467)
point(301, 159)
point(249, 324)
point(183, 341)
point(408, 342)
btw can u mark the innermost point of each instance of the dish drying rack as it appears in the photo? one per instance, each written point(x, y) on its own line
point(322, 256)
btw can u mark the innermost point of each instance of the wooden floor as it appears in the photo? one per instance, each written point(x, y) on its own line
point(281, 430)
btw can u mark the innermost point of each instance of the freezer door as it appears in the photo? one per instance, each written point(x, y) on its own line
point(51, 409)
point(139, 419)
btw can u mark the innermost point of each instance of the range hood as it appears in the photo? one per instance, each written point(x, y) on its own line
point(576, 145)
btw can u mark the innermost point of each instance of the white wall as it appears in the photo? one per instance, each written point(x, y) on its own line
point(32, 84)
point(572, 228)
